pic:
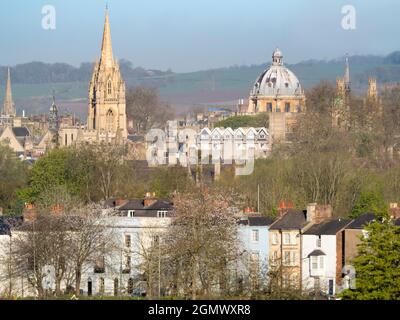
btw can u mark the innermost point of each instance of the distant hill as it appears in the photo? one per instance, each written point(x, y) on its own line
point(33, 82)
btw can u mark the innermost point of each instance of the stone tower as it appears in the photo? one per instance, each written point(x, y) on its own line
point(107, 108)
point(9, 106)
point(53, 116)
point(372, 93)
point(341, 108)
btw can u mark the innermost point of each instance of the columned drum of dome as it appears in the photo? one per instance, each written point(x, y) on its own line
point(277, 89)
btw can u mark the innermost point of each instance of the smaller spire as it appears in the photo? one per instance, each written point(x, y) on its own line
point(347, 81)
point(9, 106)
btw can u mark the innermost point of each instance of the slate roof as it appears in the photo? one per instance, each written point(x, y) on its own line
point(317, 253)
point(7, 223)
point(293, 219)
point(138, 204)
point(256, 221)
point(21, 132)
point(135, 138)
point(361, 221)
point(330, 227)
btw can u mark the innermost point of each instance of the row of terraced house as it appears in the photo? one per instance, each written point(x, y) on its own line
point(310, 246)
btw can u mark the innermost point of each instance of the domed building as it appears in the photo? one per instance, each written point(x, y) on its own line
point(277, 89)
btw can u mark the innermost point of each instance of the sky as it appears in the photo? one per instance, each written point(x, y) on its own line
point(191, 35)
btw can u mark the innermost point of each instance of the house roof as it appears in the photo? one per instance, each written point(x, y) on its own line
point(292, 219)
point(138, 204)
point(20, 132)
point(7, 223)
point(256, 221)
point(361, 221)
point(330, 227)
point(317, 253)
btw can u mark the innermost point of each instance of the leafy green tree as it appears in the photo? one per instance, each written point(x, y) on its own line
point(371, 202)
point(13, 175)
point(378, 264)
point(50, 171)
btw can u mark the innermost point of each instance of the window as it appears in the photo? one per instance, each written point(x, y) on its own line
point(162, 214)
point(127, 263)
point(101, 286)
point(319, 242)
point(287, 107)
point(130, 286)
point(116, 287)
point(155, 239)
point(321, 262)
point(286, 258)
point(255, 236)
point(269, 107)
point(72, 137)
point(290, 258)
point(100, 265)
point(131, 213)
point(286, 238)
point(128, 240)
point(275, 257)
point(274, 238)
point(109, 87)
point(314, 262)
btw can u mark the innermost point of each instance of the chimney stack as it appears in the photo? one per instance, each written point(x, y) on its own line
point(317, 213)
point(149, 199)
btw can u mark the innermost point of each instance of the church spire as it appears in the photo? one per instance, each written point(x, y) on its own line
point(9, 106)
point(106, 49)
point(347, 81)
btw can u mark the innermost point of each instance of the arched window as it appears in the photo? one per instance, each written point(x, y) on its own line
point(109, 87)
point(110, 120)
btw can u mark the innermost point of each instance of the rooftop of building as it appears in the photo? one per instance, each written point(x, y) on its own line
point(330, 227)
point(292, 219)
point(362, 221)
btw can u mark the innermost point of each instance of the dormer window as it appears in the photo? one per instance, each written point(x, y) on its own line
point(131, 213)
point(162, 214)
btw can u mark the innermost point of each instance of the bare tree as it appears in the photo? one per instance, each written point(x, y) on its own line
point(145, 108)
point(201, 243)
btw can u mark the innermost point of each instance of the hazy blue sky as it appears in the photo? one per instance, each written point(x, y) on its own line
point(187, 35)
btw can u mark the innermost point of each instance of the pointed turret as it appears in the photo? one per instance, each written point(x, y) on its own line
point(9, 106)
point(53, 115)
point(106, 59)
point(347, 81)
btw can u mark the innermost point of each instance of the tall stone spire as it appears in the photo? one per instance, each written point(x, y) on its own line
point(106, 59)
point(9, 106)
point(347, 81)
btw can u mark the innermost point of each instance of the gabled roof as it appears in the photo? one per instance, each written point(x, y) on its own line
point(361, 221)
point(330, 227)
point(292, 219)
point(256, 221)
